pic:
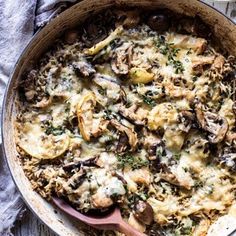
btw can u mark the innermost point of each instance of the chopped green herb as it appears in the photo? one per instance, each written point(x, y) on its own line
point(149, 101)
point(54, 130)
point(160, 151)
point(128, 104)
point(186, 230)
point(194, 78)
point(143, 196)
point(189, 51)
point(102, 91)
point(67, 109)
point(177, 156)
point(133, 198)
point(132, 161)
point(178, 65)
point(108, 115)
point(168, 50)
point(198, 184)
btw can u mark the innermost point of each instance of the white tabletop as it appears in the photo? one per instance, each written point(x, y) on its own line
point(30, 225)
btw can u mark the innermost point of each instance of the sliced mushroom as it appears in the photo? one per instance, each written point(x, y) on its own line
point(186, 119)
point(150, 142)
point(131, 134)
point(216, 125)
point(128, 19)
point(45, 102)
point(77, 179)
point(135, 114)
point(173, 179)
point(108, 83)
point(29, 85)
point(199, 62)
point(159, 22)
point(83, 68)
point(140, 76)
point(228, 160)
point(98, 127)
point(121, 58)
point(122, 143)
point(91, 162)
point(218, 63)
point(99, 46)
point(139, 176)
point(143, 212)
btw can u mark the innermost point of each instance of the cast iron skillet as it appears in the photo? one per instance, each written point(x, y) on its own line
point(60, 223)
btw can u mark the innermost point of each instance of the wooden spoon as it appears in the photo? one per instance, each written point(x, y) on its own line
point(111, 221)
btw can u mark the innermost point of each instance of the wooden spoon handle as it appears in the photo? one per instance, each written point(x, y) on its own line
point(128, 230)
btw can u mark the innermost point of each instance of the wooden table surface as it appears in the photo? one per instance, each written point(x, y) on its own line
point(29, 225)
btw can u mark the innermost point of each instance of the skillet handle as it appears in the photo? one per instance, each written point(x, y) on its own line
point(128, 230)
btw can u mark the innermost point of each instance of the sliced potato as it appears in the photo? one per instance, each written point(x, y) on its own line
point(48, 147)
point(140, 75)
point(99, 46)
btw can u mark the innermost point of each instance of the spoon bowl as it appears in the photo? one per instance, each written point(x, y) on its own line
point(110, 221)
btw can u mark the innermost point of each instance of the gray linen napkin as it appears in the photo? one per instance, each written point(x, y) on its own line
point(18, 21)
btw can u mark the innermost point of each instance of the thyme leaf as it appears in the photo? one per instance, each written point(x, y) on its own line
point(132, 161)
point(149, 101)
point(59, 130)
point(168, 50)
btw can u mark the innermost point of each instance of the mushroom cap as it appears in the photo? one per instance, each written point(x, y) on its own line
point(143, 212)
point(216, 125)
point(159, 22)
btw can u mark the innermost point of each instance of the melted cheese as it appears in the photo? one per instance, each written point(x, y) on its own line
point(80, 120)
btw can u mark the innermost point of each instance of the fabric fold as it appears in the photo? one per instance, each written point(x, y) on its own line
point(18, 21)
